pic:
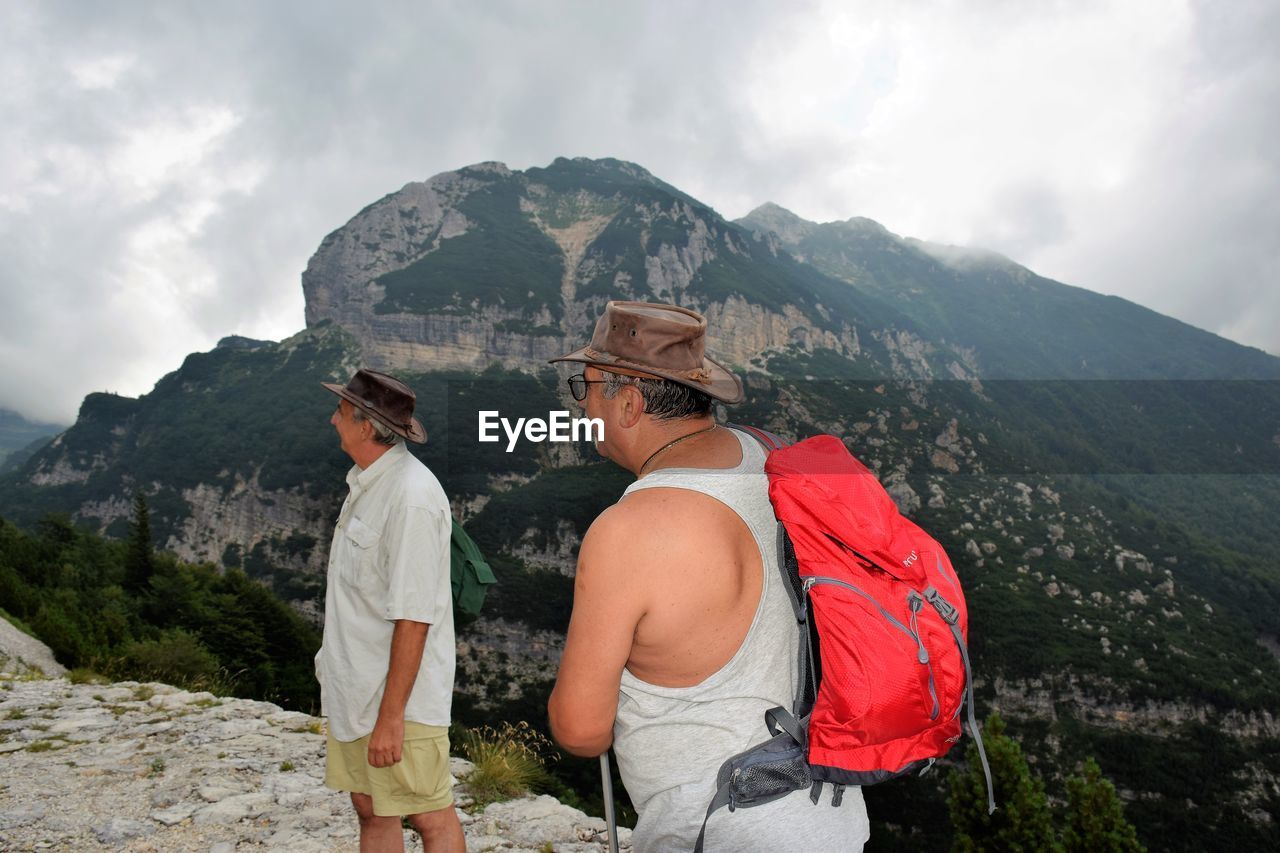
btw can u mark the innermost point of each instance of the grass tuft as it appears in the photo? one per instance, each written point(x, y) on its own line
point(508, 761)
point(85, 675)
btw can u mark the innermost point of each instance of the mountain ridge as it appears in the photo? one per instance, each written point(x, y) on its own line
point(958, 301)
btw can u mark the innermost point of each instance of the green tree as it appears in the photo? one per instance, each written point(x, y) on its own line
point(1022, 820)
point(56, 626)
point(139, 560)
point(1095, 816)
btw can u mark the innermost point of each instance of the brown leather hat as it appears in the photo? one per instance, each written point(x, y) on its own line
point(385, 399)
point(660, 340)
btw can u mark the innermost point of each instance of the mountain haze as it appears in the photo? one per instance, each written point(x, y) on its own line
point(1020, 325)
point(1105, 477)
point(19, 437)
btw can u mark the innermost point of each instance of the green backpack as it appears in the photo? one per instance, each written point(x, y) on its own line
point(470, 574)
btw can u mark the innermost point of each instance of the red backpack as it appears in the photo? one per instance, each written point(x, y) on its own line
point(884, 663)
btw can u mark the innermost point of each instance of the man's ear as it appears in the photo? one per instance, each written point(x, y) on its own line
point(632, 406)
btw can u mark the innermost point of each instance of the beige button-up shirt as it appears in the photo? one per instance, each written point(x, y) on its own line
point(389, 560)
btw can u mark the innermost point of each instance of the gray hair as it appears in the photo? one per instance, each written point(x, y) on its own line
point(663, 399)
point(382, 433)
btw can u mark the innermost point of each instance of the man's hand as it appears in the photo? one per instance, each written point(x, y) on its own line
point(386, 744)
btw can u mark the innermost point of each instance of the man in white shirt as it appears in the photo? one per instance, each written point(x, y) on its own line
point(387, 662)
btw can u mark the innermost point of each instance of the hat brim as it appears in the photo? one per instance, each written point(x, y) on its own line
point(414, 433)
point(722, 385)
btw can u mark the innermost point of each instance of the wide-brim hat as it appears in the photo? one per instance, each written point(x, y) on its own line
point(659, 340)
point(385, 399)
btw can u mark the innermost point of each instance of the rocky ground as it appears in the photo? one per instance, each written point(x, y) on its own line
point(22, 653)
point(149, 767)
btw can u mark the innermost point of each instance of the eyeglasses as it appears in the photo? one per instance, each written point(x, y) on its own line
point(578, 385)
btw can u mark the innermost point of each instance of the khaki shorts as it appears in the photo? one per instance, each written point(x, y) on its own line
point(418, 782)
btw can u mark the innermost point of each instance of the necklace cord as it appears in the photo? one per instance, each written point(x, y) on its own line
point(671, 444)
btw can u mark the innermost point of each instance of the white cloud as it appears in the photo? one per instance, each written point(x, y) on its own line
point(100, 72)
point(986, 98)
point(166, 151)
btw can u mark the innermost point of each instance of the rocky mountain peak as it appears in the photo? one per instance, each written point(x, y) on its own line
point(774, 218)
point(792, 230)
point(865, 225)
point(604, 165)
point(493, 167)
point(241, 342)
point(486, 265)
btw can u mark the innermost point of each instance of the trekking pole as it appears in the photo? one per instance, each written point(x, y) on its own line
point(606, 782)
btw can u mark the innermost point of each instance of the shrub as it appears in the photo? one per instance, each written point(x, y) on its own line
point(60, 633)
point(176, 658)
point(508, 761)
point(85, 675)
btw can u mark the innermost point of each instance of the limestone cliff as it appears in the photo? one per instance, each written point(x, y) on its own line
point(431, 278)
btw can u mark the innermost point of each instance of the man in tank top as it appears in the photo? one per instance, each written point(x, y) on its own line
point(682, 636)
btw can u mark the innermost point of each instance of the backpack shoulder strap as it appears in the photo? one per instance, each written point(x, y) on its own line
point(770, 441)
point(719, 800)
point(790, 570)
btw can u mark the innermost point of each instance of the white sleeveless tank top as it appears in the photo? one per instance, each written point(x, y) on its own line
point(671, 741)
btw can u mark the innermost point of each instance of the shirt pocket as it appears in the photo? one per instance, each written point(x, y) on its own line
point(362, 569)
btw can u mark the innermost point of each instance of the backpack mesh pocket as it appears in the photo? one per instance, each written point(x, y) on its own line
point(766, 772)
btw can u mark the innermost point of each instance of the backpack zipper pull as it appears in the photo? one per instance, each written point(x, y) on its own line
point(915, 602)
point(804, 598)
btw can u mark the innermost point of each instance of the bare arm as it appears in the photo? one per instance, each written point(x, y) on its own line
point(608, 603)
point(407, 641)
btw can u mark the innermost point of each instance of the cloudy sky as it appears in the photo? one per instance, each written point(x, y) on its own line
point(170, 167)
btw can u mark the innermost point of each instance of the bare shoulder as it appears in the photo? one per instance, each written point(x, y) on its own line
point(664, 527)
point(661, 512)
point(630, 534)
point(608, 551)
point(607, 533)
